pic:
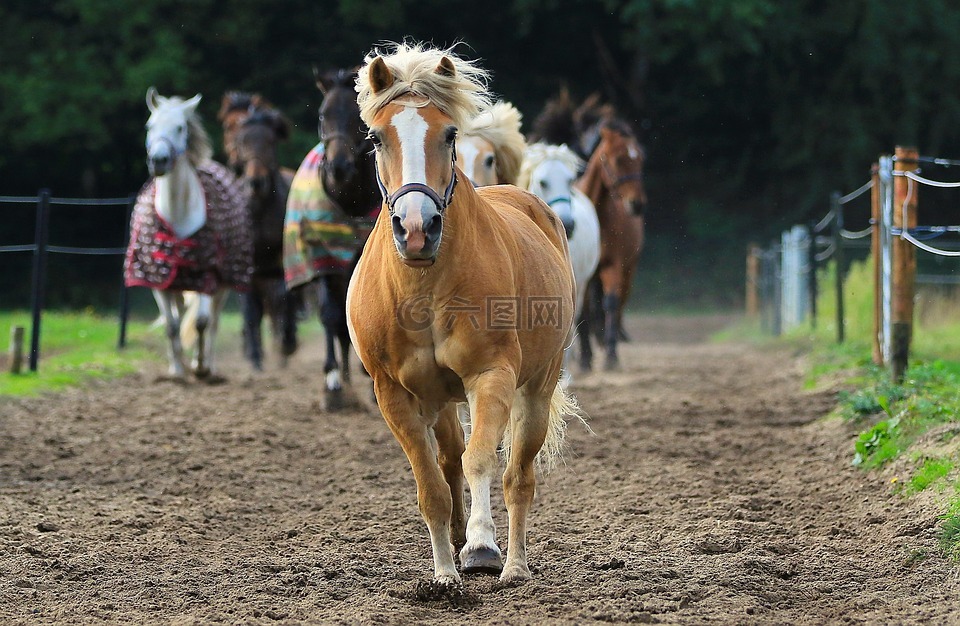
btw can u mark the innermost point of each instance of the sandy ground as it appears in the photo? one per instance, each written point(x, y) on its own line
point(709, 494)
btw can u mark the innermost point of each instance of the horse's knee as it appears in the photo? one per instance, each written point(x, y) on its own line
point(173, 330)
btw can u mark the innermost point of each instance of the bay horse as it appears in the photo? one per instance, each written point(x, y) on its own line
point(254, 155)
point(460, 295)
point(190, 232)
point(613, 181)
point(550, 172)
point(333, 202)
point(490, 148)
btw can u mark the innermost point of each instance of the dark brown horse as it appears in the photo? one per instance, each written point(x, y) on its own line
point(252, 132)
point(348, 176)
point(613, 181)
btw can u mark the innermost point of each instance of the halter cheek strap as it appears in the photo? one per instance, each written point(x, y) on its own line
point(442, 202)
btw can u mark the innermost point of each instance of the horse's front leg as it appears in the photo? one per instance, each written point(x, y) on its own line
point(415, 433)
point(251, 305)
point(490, 395)
point(169, 309)
point(612, 279)
point(333, 314)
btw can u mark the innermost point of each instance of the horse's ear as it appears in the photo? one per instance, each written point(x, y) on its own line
point(282, 127)
point(322, 84)
point(446, 67)
point(191, 104)
point(379, 74)
point(152, 99)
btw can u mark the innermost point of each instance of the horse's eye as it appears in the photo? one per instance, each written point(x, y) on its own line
point(374, 139)
point(488, 162)
point(544, 185)
point(451, 136)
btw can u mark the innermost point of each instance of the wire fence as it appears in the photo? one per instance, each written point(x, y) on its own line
point(894, 238)
point(41, 248)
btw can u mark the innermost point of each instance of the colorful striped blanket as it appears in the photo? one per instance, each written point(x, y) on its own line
point(318, 237)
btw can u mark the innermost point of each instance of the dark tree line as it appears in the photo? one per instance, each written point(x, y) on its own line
point(752, 111)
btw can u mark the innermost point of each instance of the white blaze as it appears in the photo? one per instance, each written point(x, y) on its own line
point(412, 131)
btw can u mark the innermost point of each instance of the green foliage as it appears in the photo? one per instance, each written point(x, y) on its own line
point(928, 473)
point(877, 445)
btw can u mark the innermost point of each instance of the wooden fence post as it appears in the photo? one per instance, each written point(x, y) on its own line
point(16, 349)
point(753, 280)
point(904, 260)
point(875, 253)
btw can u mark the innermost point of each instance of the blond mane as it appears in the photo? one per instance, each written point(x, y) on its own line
point(414, 69)
point(500, 125)
point(539, 153)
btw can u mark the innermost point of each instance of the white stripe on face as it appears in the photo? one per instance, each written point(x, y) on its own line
point(467, 153)
point(412, 131)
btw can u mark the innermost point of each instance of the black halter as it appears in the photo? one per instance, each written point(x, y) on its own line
point(441, 202)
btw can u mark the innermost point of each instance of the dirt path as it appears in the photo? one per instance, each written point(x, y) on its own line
point(707, 495)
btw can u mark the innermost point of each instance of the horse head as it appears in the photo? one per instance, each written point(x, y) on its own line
point(235, 107)
point(255, 146)
point(621, 160)
point(490, 148)
point(340, 128)
point(173, 130)
point(414, 107)
point(550, 172)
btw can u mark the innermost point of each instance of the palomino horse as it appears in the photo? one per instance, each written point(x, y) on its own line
point(613, 181)
point(254, 144)
point(460, 295)
point(333, 202)
point(550, 172)
point(490, 148)
point(190, 231)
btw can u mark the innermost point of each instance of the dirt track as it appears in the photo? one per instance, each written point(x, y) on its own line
point(708, 495)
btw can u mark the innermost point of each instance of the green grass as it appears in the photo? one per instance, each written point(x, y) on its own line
point(74, 348)
point(929, 473)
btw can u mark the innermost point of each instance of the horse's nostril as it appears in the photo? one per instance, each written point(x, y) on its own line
point(433, 227)
point(399, 232)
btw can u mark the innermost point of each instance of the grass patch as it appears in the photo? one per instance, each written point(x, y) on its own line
point(74, 348)
point(929, 472)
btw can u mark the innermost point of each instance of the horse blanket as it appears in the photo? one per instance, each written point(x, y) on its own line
point(218, 255)
point(319, 238)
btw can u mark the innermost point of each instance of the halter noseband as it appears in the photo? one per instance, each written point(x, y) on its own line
point(441, 202)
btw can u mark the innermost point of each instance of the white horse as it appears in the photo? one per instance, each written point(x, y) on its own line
point(490, 148)
point(549, 171)
point(190, 238)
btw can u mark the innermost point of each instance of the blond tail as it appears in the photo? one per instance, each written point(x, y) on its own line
point(562, 406)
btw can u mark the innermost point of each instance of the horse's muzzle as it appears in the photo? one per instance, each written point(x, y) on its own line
point(568, 227)
point(418, 244)
point(159, 165)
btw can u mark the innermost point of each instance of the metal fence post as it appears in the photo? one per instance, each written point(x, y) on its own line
point(838, 256)
point(124, 291)
point(39, 273)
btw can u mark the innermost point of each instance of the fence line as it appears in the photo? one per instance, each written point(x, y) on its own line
point(895, 237)
point(41, 248)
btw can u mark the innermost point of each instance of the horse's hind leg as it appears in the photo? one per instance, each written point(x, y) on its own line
point(172, 314)
point(415, 433)
point(333, 314)
point(449, 434)
point(529, 424)
point(491, 397)
point(208, 322)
